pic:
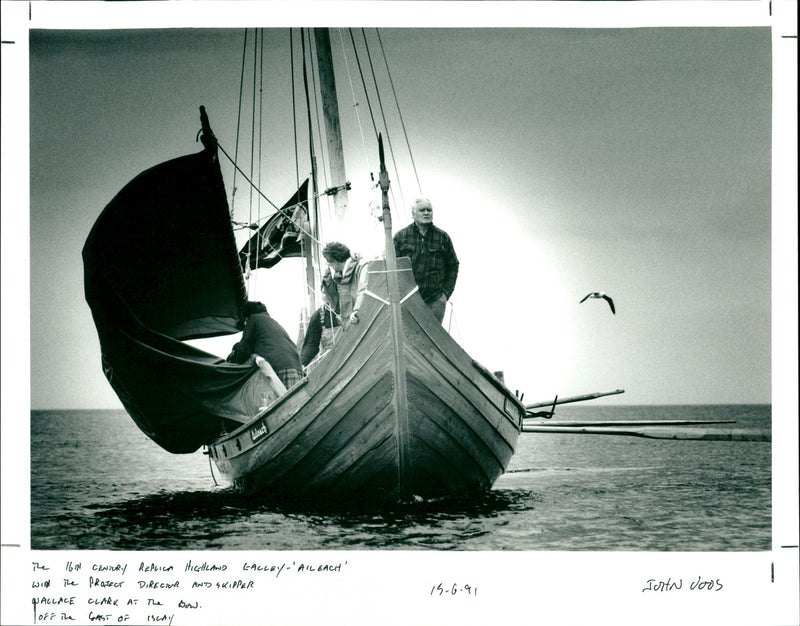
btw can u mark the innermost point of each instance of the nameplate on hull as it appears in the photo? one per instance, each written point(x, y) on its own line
point(259, 432)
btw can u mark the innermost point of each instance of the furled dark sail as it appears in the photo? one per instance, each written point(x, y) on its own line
point(279, 237)
point(160, 265)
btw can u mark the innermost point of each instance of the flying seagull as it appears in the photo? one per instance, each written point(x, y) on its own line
point(600, 294)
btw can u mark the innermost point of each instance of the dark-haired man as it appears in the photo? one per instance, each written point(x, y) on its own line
point(266, 338)
point(344, 282)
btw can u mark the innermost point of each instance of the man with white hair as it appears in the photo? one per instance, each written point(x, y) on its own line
point(433, 258)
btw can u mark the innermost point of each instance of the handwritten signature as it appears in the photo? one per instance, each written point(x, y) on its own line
point(701, 584)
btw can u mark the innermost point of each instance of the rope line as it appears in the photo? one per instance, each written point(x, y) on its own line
point(260, 147)
point(355, 100)
point(294, 109)
point(310, 137)
point(383, 118)
point(252, 144)
point(363, 82)
point(399, 112)
point(211, 467)
point(366, 94)
point(453, 321)
point(238, 120)
point(259, 192)
point(313, 116)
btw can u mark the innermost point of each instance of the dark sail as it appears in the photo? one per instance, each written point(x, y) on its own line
point(160, 265)
point(279, 237)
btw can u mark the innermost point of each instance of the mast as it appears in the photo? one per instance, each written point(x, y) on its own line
point(333, 133)
point(310, 250)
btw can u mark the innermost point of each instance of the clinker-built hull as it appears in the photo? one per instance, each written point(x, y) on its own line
point(393, 411)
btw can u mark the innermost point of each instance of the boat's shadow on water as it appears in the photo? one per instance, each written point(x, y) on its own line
point(225, 519)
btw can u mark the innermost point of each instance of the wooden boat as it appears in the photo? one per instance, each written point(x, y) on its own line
point(395, 410)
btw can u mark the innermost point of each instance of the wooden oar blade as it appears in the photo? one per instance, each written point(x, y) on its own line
point(652, 433)
point(581, 398)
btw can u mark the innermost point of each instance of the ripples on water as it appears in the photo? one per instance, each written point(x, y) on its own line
point(98, 483)
point(224, 519)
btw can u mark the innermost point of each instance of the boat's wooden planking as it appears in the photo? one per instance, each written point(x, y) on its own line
point(341, 434)
point(433, 356)
point(344, 393)
point(461, 437)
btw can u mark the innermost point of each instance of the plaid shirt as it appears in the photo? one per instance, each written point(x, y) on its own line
point(433, 260)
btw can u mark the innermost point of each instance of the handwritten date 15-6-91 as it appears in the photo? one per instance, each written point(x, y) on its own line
point(452, 590)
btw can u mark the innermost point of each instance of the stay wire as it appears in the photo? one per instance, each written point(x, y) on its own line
point(211, 467)
point(317, 106)
point(383, 118)
point(308, 101)
point(258, 74)
point(399, 111)
point(355, 99)
point(309, 217)
point(368, 99)
point(363, 82)
point(308, 58)
point(356, 105)
point(294, 109)
point(312, 220)
point(238, 121)
point(259, 192)
point(252, 139)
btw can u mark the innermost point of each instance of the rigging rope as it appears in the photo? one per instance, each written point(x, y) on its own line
point(238, 121)
point(294, 109)
point(372, 114)
point(210, 466)
point(399, 112)
point(252, 142)
point(308, 108)
point(373, 185)
point(257, 117)
point(454, 321)
point(313, 219)
point(297, 157)
point(260, 140)
point(355, 100)
point(383, 117)
point(363, 82)
point(256, 153)
point(260, 193)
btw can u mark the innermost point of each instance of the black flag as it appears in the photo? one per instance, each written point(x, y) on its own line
point(280, 236)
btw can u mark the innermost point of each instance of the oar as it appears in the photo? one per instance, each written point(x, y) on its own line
point(653, 433)
point(587, 396)
point(602, 424)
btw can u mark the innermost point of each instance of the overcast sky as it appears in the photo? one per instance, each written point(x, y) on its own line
point(561, 161)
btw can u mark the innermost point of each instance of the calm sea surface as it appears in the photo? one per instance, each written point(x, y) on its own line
point(98, 483)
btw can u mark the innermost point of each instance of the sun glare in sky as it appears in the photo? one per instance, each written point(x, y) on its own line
point(560, 161)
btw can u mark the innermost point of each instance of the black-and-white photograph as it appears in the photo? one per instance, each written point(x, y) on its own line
point(399, 290)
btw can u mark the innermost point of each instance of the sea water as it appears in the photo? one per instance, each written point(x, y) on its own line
point(97, 482)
